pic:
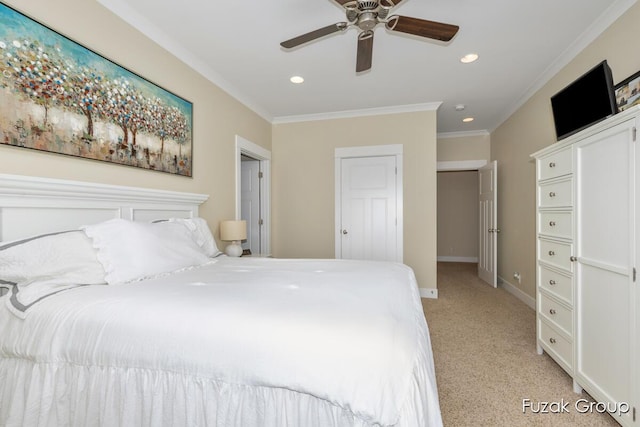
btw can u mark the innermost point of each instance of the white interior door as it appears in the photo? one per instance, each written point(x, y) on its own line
point(250, 203)
point(368, 220)
point(488, 251)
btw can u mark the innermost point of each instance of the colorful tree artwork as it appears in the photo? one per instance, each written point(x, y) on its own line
point(58, 96)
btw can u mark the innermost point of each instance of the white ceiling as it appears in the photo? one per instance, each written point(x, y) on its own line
point(521, 43)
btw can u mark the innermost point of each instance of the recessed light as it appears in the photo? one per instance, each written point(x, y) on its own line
point(296, 79)
point(468, 58)
point(467, 119)
point(460, 107)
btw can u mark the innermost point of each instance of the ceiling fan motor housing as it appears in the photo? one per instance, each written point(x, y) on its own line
point(366, 14)
point(364, 5)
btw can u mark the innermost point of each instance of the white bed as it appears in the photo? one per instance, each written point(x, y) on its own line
point(232, 342)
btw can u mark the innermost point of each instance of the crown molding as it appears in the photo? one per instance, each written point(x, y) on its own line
point(125, 12)
point(346, 114)
point(604, 21)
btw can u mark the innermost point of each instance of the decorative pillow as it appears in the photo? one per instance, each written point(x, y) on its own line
point(201, 234)
point(40, 266)
point(132, 251)
point(68, 256)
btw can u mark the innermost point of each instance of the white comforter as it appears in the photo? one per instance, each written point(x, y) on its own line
point(284, 342)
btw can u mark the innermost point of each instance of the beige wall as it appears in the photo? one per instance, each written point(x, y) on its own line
point(458, 214)
point(530, 129)
point(304, 185)
point(217, 116)
point(476, 147)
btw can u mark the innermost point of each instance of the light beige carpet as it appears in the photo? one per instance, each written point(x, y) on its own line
point(484, 346)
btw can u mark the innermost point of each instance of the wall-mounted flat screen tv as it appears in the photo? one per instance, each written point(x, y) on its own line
point(586, 101)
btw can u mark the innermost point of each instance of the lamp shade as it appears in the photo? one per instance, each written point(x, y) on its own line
point(233, 230)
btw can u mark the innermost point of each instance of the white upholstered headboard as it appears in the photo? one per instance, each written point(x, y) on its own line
point(31, 205)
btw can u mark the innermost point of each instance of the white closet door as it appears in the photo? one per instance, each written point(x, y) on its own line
point(369, 208)
point(605, 239)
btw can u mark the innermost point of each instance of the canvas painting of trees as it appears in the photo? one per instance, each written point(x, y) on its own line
point(58, 96)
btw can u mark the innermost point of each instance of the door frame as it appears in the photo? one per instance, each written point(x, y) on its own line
point(248, 148)
point(370, 151)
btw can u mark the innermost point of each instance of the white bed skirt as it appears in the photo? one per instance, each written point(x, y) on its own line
point(35, 394)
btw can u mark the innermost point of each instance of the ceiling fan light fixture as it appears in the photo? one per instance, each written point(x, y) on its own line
point(469, 58)
point(296, 80)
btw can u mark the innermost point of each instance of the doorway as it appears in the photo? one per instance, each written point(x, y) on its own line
point(250, 202)
point(253, 195)
point(458, 226)
point(480, 190)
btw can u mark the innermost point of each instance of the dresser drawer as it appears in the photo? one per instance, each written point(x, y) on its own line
point(556, 254)
point(556, 194)
point(556, 313)
point(556, 284)
point(555, 165)
point(556, 224)
point(556, 345)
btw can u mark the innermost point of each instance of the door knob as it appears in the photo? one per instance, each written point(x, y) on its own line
point(345, 232)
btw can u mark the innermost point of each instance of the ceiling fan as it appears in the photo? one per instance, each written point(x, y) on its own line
point(366, 14)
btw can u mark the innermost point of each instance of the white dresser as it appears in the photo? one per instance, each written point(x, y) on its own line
point(588, 206)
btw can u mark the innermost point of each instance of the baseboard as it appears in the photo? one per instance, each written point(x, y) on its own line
point(428, 293)
point(513, 290)
point(457, 259)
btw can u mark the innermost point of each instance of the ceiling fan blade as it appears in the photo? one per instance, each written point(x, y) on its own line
point(390, 3)
point(365, 51)
point(321, 32)
point(422, 27)
point(343, 2)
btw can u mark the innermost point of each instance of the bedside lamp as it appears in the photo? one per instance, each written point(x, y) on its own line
point(234, 232)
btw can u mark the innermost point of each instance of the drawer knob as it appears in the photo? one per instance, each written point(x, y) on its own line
point(552, 282)
point(552, 165)
point(552, 223)
point(552, 194)
point(552, 311)
point(552, 340)
point(573, 258)
point(551, 253)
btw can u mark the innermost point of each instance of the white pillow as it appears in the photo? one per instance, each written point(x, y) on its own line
point(44, 265)
point(201, 234)
point(132, 251)
point(67, 256)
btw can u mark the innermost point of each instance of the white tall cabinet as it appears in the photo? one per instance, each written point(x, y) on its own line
point(588, 225)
